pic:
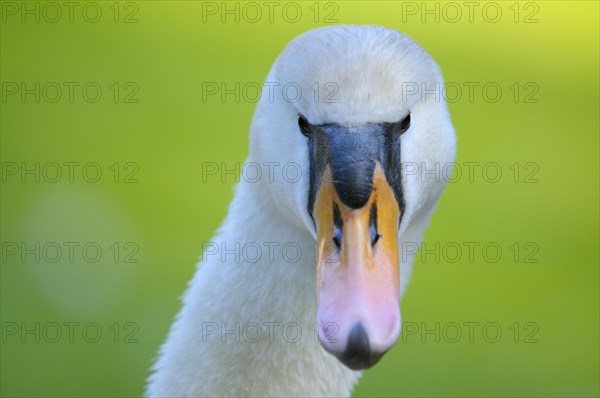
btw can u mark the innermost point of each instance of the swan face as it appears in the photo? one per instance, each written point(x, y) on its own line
point(356, 125)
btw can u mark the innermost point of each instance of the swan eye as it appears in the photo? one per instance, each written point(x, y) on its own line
point(404, 124)
point(304, 125)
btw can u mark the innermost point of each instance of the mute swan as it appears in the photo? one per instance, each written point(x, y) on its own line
point(249, 322)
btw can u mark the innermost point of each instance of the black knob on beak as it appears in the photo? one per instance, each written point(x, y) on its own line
point(358, 354)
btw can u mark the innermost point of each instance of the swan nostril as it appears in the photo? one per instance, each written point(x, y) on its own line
point(373, 226)
point(338, 223)
point(374, 235)
point(337, 238)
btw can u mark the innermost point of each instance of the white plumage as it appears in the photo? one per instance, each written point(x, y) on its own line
point(371, 67)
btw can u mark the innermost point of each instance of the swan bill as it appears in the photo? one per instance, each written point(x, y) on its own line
point(357, 272)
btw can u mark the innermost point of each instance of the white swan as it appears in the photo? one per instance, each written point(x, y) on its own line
point(247, 326)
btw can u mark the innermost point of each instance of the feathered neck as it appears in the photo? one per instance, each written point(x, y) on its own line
point(261, 314)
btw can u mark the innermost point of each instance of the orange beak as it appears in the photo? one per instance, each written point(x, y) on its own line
point(358, 273)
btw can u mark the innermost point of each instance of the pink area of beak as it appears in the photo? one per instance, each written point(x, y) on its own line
point(350, 295)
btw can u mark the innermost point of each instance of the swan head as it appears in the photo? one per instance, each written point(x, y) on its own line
point(351, 107)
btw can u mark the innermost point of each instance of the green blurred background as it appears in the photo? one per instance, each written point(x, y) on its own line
point(164, 55)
